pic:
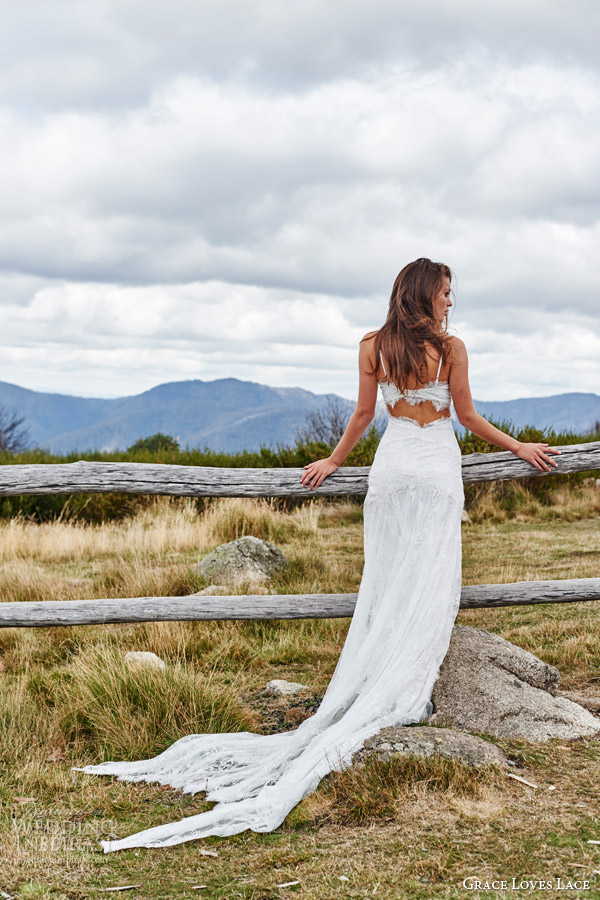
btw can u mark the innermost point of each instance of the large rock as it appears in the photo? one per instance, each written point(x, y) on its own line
point(589, 698)
point(245, 559)
point(489, 685)
point(423, 740)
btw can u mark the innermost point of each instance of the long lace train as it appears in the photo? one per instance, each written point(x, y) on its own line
point(399, 634)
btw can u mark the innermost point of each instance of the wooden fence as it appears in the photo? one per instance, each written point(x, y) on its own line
point(208, 481)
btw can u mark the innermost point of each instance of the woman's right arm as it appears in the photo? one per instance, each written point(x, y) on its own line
point(469, 417)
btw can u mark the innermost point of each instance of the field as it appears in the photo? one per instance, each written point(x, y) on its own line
point(409, 828)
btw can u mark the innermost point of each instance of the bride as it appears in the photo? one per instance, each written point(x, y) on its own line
point(409, 592)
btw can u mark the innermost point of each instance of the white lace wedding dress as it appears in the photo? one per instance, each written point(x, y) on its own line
point(399, 634)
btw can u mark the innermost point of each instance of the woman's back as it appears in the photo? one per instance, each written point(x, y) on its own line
point(423, 402)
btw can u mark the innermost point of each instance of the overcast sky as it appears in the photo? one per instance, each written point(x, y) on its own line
point(216, 188)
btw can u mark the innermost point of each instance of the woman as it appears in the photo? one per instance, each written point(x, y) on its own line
point(409, 592)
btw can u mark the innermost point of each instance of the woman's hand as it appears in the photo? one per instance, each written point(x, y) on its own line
point(537, 454)
point(317, 471)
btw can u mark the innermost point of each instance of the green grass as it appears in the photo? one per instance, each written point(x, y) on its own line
point(408, 828)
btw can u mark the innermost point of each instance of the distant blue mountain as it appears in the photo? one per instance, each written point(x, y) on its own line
point(564, 412)
point(229, 415)
point(226, 414)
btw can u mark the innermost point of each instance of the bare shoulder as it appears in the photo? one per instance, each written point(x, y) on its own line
point(366, 353)
point(369, 335)
point(458, 350)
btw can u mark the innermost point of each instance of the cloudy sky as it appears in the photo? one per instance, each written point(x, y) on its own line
point(215, 188)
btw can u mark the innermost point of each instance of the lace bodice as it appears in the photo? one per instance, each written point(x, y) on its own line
point(437, 392)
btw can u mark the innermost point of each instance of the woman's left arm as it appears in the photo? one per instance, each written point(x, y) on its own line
point(363, 414)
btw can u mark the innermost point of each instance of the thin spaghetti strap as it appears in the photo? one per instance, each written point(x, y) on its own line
point(438, 371)
point(382, 363)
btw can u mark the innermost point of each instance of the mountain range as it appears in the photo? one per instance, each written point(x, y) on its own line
point(230, 415)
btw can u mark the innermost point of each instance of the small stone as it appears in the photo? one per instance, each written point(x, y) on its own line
point(144, 658)
point(212, 589)
point(425, 740)
point(282, 688)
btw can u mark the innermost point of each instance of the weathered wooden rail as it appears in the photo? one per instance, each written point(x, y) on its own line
point(208, 481)
point(270, 606)
point(86, 477)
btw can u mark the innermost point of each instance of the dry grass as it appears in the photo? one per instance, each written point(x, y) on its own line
point(520, 503)
point(165, 525)
point(407, 828)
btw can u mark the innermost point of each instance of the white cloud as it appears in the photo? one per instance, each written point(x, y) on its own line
point(205, 190)
point(111, 340)
point(114, 53)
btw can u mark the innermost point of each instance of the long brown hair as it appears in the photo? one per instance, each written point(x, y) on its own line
point(411, 322)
